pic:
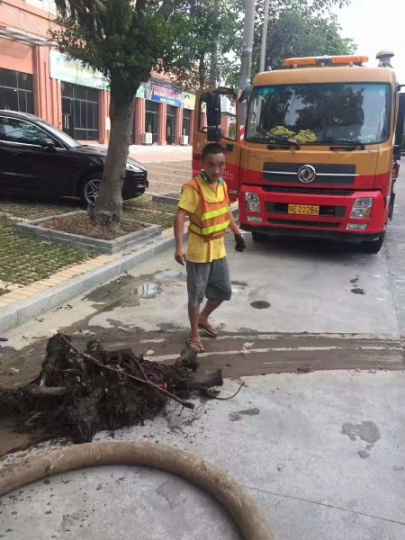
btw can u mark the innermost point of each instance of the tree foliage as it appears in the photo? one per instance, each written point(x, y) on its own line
point(297, 33)
point(124, 40)
point(214, 30)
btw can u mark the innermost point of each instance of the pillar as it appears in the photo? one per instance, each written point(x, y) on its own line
point(190, 139)
point(162, 124)
point(140, 119)
point(179, 125)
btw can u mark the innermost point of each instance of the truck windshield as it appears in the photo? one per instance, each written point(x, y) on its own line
point(320, 113)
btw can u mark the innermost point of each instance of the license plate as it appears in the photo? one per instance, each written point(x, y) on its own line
point(303, 209)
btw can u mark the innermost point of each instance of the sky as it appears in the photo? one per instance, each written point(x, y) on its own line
point(376, 25)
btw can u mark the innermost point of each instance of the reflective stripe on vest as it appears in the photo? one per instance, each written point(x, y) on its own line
point(215, 217)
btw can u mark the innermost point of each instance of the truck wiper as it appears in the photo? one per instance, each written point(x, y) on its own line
point(343, 144)
point(281, 142)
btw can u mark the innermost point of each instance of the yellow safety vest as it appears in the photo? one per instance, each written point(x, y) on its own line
point(215, 216)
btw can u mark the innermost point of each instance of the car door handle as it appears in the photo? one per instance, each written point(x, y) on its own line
point(15, 153)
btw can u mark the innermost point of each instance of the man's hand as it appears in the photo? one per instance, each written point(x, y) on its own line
point(180, 256)
point(240, 243)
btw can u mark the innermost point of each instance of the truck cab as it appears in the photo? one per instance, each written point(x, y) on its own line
point(316, 155)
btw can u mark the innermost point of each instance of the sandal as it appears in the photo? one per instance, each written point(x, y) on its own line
point(208, 329)
point(196, 346)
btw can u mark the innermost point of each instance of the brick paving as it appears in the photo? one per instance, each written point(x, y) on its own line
point(28, 266)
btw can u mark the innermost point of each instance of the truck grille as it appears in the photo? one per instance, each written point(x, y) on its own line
point(311, 191)
point(329, 175)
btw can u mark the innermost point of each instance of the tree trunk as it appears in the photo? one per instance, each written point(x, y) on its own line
point(108, 208)
point(202, 71)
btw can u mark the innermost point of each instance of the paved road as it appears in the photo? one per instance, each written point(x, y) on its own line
point(321, 452)
point(313, 313)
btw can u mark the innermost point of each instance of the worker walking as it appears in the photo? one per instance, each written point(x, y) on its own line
point(206, 202)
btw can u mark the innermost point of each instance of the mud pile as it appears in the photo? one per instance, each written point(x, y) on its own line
point(79, 393)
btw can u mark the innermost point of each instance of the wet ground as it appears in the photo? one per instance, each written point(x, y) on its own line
point(316, 331)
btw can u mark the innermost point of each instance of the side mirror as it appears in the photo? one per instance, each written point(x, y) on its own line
point(49, 145)
point(213, 101)
point(399, 132)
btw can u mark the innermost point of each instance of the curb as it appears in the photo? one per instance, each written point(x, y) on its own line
point(110, 247)
point(28, 308)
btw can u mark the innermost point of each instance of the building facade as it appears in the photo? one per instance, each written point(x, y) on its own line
point(37, 79)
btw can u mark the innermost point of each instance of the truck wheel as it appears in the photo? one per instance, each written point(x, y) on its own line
point(373, 247)
point(259, 236)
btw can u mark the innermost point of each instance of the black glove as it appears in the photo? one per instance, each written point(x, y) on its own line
point(240, 243)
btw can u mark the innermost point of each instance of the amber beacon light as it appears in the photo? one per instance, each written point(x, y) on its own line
point(326, 61)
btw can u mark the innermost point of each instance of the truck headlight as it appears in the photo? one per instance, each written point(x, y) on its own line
point(252, 202)
point(132, 167)
point(362, 208)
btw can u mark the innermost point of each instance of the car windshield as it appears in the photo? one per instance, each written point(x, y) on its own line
point(61, 135)
point(320, 113)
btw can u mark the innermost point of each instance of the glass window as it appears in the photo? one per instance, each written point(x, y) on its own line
point(186, 130)
point(8, 78)
point(321, 113)
point(80, 107)
point(22, 132)
point(152, 119)
point(16, 91)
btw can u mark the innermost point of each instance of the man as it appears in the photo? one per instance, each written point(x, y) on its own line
point(205, 201)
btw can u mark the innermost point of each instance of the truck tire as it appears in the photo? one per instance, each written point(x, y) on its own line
point(259, 236)
point(373, 247)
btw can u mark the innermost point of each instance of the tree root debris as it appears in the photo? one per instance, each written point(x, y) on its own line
point(78, 394)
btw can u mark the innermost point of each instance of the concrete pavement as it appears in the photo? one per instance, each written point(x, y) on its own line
point(320, 452)
point(322, 455)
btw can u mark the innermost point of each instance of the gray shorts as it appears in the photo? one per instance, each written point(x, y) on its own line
point(211, 280)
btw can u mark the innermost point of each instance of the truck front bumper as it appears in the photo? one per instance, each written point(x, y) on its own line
point(333, 222)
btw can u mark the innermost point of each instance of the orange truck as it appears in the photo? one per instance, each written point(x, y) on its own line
point(317, 155)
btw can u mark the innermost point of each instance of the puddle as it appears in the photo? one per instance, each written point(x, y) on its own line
point(150, 290)
point(260, 304)
point(170, 275)
point(357, 290)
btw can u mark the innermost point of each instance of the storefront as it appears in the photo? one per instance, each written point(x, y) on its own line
point(80, 97)
point(152, 121)
point(80, 110)
point(39, 80)
point(187, 123)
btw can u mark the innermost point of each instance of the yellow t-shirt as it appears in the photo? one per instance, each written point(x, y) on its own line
point(200, 251)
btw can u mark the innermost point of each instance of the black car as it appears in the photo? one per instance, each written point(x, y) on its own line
point(39, 160)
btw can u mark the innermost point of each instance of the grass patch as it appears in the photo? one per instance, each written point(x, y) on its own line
point(26, 260)
point(25, 209)
point(145, 210)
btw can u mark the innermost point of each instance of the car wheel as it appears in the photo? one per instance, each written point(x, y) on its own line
point(373, 247)
point(90, 189)
point(259, 236)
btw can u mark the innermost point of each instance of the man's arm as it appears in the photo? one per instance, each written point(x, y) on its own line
point(180, 254)
point(240, 241)
point(233, 225)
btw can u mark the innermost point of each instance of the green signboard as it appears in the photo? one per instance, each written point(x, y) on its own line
point(65, 69)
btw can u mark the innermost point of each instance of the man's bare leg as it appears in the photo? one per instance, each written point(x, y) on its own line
point(194, 315)
point(210, 306)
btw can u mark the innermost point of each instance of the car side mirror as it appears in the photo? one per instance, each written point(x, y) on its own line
point(49, 146)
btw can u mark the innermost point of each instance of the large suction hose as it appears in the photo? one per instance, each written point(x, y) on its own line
point(210, 478)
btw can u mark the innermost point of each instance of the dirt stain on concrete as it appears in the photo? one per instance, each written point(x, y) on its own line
point(366, 431)
point(358, 290)
point(260, 304)
point(363, 454)
point(236, 416)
